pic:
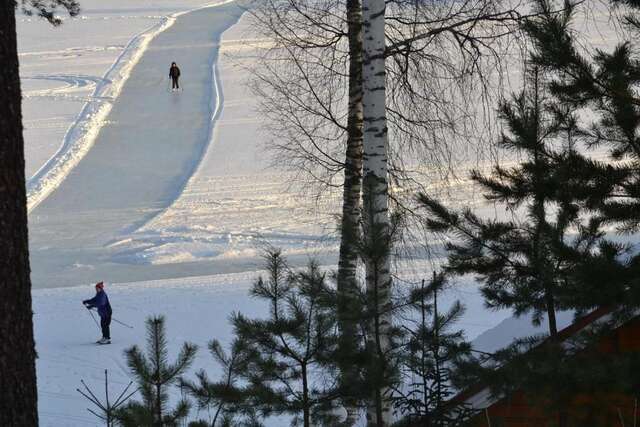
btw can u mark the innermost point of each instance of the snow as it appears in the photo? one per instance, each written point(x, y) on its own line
point(167, 194)
point(141, 158)
point(196, 310)
point(84, 131)
point(82, 49)
point(234, 203)
point(511, 328)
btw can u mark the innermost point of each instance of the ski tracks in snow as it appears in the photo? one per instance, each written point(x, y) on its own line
point(73, 85)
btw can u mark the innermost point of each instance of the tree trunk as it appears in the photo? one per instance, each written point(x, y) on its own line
point(306, 410)
point(158, 414)
point(348, 262)
point(376, 194)
point(18, 393)
point(540, 243)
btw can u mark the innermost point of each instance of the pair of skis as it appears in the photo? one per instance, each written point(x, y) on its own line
point(100, 341)
point(170, 88)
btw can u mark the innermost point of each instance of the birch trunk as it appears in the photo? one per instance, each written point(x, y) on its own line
point(376, 224)
point(18, 397)
point(351, 207)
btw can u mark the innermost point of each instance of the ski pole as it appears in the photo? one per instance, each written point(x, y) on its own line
point(122, 323)
point(112, 318)
point(94, 318)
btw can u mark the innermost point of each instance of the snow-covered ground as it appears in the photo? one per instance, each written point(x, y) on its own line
point(196, 310)
point(140, 159)
point(61, 67)
point(167, 194)
point(92, 224)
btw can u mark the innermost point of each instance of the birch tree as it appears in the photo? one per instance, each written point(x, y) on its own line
point(347, 282)
point(376, 196)
point(314, 53)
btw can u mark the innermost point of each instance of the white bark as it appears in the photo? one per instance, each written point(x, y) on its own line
point(376, 194)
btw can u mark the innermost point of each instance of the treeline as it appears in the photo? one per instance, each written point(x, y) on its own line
point(562, 248)
point(287, 363)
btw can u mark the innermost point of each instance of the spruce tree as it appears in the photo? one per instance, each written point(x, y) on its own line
point(155, 375)
point(289, 367)
point(428, 357)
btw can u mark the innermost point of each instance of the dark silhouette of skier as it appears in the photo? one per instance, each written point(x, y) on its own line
point(101, 302)
point(174, 74)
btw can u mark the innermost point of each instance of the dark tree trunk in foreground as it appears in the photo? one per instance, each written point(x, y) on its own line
point(18, 396)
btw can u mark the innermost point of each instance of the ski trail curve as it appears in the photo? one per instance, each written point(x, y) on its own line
point(83, 132)
point(216, 110)
point(146, 150)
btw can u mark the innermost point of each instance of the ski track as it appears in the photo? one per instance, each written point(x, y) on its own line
point(73, 84)
point(83, 132)
point(71, 51)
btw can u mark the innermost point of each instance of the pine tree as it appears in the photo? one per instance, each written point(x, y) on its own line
point(155, 375)
point(18, 395)
point(428, 356)
point(224, 398)
point(289, 368)
point(524, 265)
point(527, 264)
point(605, 85)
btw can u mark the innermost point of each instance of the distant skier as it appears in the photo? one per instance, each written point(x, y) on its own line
point(174, 74)
point(101, 302)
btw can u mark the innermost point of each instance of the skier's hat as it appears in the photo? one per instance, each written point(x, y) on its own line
point(100, 285)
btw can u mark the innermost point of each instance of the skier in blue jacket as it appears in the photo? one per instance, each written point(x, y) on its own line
point(101, 302)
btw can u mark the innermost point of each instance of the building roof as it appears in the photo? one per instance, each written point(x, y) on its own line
point(479, 396)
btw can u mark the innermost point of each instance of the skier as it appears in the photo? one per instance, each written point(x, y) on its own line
point(101, 302)
point(174, 74)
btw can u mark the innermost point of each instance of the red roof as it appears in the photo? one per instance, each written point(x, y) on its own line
point(563, 334)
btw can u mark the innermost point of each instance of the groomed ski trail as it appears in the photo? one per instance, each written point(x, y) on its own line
point(82, 134)
point(148, 147)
